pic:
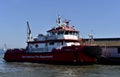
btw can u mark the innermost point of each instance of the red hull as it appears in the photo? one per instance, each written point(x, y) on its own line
point(56, 56)
point(49, 57)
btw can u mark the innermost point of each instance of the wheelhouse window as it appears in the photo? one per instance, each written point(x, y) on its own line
point(60, 32)
point(71, 33)
point(66, 32)
point(52, 33)
point(76, 33)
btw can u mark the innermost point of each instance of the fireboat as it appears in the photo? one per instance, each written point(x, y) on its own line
point(61, 45)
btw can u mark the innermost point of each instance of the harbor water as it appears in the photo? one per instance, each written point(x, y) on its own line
point(25, 69)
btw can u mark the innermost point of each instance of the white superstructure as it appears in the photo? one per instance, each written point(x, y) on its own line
point(56, 38)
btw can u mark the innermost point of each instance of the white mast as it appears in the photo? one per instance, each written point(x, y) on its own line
point(29, 33)
point(91, 40)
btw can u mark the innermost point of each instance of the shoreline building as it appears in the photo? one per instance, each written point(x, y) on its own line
point(106, 41)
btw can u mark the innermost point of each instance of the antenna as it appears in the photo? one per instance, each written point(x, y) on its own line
point(59, 20)
point(67, 21)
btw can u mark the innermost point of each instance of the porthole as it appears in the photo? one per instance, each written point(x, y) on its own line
point(36, 45)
